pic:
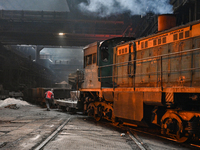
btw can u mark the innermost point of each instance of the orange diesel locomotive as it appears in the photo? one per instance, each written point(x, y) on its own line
point(151, 80)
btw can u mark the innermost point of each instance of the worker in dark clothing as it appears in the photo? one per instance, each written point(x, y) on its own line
point(49, 96)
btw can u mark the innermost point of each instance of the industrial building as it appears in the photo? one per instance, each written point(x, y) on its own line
point(25, 34)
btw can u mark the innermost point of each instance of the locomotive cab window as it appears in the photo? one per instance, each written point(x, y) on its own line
point(94, 58)
point(88, 60)
point(104, 54)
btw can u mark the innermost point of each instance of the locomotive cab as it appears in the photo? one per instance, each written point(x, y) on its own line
point(91, 67)
point(98, 60)
point(106, 51)
point(105, 59)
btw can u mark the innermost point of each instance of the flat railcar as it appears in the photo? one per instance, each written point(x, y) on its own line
point(151, 80)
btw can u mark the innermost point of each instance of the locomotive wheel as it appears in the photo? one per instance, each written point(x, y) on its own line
point(100, 113)
point(97, 118)
point(91, 112)
point(173, 127)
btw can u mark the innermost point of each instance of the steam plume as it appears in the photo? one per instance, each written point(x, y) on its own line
point(135, 7)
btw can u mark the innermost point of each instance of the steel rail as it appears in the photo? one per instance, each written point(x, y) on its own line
point(139, 144)
point(130, 130)
point(52, 135)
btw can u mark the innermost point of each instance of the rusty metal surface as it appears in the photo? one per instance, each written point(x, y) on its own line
point(122, 70)
point(153, 98)
point(170, 64)
point(177, 69)
point(166, 21)
point(128, 105)
point(109, 96)
point(91, 77)
point(91, 68)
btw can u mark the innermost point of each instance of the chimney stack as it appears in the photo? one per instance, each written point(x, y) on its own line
point(166, 21)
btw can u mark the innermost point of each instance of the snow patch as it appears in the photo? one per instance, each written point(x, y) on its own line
point(10, 101)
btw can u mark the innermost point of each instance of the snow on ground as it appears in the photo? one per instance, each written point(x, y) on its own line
point(9, 101)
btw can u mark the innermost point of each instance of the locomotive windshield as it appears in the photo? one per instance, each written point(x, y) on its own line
point(104, 53)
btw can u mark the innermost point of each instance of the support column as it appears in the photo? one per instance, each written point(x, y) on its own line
point(197, 10)
point(37, 52)
point(190, 14)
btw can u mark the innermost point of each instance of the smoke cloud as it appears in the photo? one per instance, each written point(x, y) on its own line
point(106, 8)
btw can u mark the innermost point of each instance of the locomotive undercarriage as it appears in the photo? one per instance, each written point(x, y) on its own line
point(182, 118)
point(101, 110)
point(98, 108)
point(181, 125)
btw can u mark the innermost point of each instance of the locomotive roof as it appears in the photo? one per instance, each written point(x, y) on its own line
point(90, 45)
point(162, 32)
point(169, 30)
point(102, 42)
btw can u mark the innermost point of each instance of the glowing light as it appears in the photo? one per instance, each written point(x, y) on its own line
point(61, 34)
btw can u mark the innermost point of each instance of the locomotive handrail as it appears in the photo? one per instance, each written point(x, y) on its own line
point(164, 55)
point(150, 73)
point(140, 61)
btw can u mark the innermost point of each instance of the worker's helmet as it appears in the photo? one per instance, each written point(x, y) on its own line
point(52, 90)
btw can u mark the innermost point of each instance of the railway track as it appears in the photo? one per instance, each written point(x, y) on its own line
point(153, 134)
point(48, 139)
point(85, 132)
point(137, 141)
point(132, 132)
